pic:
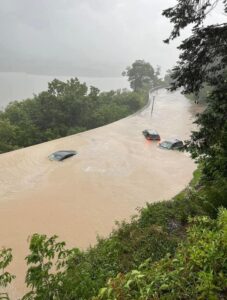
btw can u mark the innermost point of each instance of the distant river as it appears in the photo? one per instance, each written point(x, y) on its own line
point(18, 86)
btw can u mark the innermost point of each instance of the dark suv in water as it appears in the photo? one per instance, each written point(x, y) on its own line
point(151, 135)
point(173, 144)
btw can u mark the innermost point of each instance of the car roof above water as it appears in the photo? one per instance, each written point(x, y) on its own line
point(172, 141)
point(62, 154)
point(152, 131)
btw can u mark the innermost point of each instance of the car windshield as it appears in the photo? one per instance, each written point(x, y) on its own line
point(152, 132)
point(62, 153)
point(59, 155)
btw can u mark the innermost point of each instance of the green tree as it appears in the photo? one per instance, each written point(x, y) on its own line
point(46, 271)
point(203, 55)
point(203, 61)
point(141, 74)
point(5, 277)
point(7, 136)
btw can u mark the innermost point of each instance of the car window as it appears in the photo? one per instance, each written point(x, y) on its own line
point(166, 145)
point(58, 156)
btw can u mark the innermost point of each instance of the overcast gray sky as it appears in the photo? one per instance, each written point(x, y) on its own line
point(83, 37)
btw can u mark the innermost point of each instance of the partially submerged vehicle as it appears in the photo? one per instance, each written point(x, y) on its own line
point(62, 154)
point(172, 144)
point(151, 135)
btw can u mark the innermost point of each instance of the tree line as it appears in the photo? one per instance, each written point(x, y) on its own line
point(67, 108)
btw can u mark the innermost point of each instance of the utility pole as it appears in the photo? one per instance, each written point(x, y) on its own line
point(152, 107)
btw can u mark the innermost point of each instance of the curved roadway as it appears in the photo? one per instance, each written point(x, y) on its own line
point(116, 171)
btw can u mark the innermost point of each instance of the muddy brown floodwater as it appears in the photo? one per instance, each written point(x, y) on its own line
point(115, 172)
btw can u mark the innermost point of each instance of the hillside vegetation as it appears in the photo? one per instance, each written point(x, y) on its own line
point(65, 108)
point(197, 269)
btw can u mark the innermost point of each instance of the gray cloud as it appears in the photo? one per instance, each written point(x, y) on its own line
point(83, 37)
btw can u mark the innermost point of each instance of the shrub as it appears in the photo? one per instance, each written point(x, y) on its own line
point(198, 270)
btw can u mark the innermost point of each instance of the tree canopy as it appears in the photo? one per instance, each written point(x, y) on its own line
point(141, 74)
point(203, 61)
point(203, 55)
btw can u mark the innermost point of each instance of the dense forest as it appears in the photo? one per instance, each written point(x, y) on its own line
point(174, 249)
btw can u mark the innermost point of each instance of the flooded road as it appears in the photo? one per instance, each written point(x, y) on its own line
point(115, 172)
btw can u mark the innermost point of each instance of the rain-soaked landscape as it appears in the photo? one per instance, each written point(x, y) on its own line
point(113, 150)
point(115, 171)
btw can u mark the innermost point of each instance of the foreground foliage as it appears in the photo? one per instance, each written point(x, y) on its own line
point(46, 264)
point(198, 269)
point(5, 277)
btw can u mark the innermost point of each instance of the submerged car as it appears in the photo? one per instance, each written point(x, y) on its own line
point(61, 155)
point(151, 135)
point(173, 144)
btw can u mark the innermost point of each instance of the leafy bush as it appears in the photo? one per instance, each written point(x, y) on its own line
point(5, 277)
point(198, 270)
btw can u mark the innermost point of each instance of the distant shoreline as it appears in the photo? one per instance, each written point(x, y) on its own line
point(19, 86)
